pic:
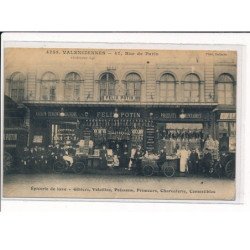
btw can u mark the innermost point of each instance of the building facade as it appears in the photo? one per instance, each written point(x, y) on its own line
point(170, 103)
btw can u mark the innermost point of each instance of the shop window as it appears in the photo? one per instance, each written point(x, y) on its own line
point(191, 88)
point(17, 82)
point(133, 86)
point(48, 87)
point(167, 87)
point(228, 128)
point(225, 89)
point(227, 136)
point(72, 87)
point(107, 85)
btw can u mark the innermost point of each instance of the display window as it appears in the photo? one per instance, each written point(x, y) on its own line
point(64, 133)
point(173, 136)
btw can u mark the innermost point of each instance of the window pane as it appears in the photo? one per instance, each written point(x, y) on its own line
point(221, 97)
point(229, 101)
point(163, 90)
point(170, 86)
point(48, 86)
point(187, 86)
point(221, 86)
point(107, 85)
point(17, 86)
point(195, 94)
point(133, 85)
point(195, 86)
point(52, 94)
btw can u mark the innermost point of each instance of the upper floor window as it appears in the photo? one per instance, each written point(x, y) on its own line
point(107, 85)
point(226, 89)
point(17, 82)
point(72, 87)
point(48, 86)
point(167, 87)
point(133, 85)
point(191, 88)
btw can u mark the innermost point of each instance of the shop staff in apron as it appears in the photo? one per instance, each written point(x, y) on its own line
point(183, 154)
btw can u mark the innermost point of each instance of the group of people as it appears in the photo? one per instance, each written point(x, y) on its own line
point(122, 156)
point(39, 155)
point(197, 161)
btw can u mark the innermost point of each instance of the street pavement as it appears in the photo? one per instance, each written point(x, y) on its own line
point(99, 186)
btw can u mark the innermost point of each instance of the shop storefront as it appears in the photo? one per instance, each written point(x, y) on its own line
point(226, 128)
point(152, 127)
point(177, 128)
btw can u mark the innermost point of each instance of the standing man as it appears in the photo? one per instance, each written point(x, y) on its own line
point(193, 162)
point(103, 157)
point(207, 160)
point(138, 158)
point(124, 160)
point(162, 158)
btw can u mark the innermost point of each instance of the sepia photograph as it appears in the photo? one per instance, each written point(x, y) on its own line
point(116, 123)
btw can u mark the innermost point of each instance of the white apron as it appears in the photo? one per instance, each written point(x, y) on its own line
point(183, 154)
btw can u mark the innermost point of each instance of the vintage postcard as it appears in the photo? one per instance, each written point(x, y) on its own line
point(119, 123)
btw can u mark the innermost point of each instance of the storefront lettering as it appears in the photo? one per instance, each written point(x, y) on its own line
point(228, 116)
point(41, 114)
point(168, 115)
point(57, 114)
point(119, 98)
point(187, 115)
point(194, 116)
point(122, 115)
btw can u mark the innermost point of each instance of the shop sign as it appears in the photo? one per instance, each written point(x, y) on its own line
point(57, 114)
point(184, 126)
point(228, 116)
point(119, 98)
point(121, 115)
point(137, 131)
point(168, 115)
point(187, 115)
point(37, 139)
point(10, 137)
